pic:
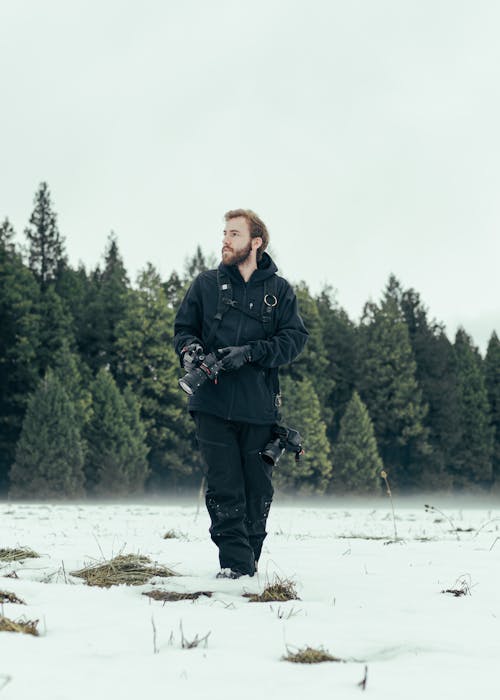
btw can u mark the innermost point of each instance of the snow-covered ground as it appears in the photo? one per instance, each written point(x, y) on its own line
point(370, 602)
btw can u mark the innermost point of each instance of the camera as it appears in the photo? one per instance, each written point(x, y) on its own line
point(208, 367)
point(283, 439)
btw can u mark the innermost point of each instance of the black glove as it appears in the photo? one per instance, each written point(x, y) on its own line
point(189, 356)
point(235, 357)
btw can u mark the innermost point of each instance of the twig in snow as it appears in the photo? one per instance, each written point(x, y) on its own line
point(433, 509)
point(6, 679)
point(383, 474)
point(155, 648)
point(362, 683)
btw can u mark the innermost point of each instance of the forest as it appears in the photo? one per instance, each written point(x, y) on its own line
point(90, 404)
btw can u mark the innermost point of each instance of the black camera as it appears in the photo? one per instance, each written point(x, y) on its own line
point(208, 367)
point(283, 439)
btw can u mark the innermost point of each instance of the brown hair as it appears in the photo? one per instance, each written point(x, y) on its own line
point(255, 224)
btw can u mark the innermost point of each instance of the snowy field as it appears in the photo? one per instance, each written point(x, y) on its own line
point(372, 602)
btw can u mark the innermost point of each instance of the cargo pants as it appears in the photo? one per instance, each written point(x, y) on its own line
point(239, 487)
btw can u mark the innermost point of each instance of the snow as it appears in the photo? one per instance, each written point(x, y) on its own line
point(365, 600)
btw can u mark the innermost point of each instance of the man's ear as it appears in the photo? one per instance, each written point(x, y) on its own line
point(259, 239)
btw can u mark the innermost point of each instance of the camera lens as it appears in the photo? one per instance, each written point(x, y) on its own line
point(185, 387)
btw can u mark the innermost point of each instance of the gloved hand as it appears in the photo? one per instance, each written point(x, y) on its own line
point(234, 357)
point(189, 356)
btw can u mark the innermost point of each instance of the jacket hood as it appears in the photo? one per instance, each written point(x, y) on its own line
point(266, 267)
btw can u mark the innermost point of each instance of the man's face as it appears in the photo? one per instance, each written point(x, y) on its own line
point(237, 243)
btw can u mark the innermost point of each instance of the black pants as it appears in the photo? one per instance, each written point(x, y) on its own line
point(239, 488)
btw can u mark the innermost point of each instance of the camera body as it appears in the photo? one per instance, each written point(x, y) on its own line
point(207, 367)
point(284, 439)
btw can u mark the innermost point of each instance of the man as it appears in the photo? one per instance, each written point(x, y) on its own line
point(247, 315)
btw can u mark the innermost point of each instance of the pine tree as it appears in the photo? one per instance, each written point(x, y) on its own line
point(313, 362)
point(302, 412)
point(56, 327)
point(149, 365)
point(115, 441)
point(437, 377)
point(388, 386)
point(46, 246)
point(72, 286)
point(340, 341)
point(492, 376)
point(50, 452)
point(356, 461)
point(472, 463)
point(19, 342)
point(7, 236)
point(199, 262)
point(138, 471)
point(68, 368)
point(106, 306)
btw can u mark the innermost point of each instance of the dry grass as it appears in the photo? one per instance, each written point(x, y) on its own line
point(280, 590)
point(172, 596)
point(129, 569)
point(23, 626)
point(18, 554)
point(6, 597)
point(463, 588)
point(309, 655)
point(170, 535)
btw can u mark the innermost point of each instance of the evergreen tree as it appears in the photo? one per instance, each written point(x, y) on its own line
point(302, 412)
point(492, 375)
point(72, 286)
point(68, 368)
point(19, 341)
point(115, 441)
point(7, 236)
point(50, 452)
point(313, 362)
point(388, 386)
point(149, 365)
point(46, 246)
point(356, 461)
point(175, 290)
point(340, 341)
point(199, 262)
point(55, 325)
point(138, 449)
point(106, 306)
point(472, 463)
point(437, 377)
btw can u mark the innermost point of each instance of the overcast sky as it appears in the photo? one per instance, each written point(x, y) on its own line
point(365, 133)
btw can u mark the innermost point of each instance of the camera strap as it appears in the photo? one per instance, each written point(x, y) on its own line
point(225, 301)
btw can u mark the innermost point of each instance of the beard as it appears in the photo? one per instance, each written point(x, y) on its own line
point(238, 258)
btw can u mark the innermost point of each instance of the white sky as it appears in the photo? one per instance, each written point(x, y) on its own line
point(364, 133)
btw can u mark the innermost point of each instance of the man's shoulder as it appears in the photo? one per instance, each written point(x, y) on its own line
point(282, 284)
point(207, 276)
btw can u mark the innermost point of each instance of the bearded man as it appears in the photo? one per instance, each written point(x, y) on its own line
point(247, 315)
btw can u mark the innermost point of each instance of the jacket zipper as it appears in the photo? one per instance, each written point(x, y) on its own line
point(236, 343)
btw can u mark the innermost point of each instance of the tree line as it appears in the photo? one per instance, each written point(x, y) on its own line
point(90, 405)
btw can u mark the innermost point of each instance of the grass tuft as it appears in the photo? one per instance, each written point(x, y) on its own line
point(129, 569)
point(6, 597)
point(172, 596)
point(23, 626)
point(19, 554)
point(280, 590)
point(309, 655)
point(463, 587)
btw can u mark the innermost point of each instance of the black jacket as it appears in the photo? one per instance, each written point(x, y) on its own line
point(248, 394)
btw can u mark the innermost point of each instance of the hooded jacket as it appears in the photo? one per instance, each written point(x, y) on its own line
point(248, 394)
